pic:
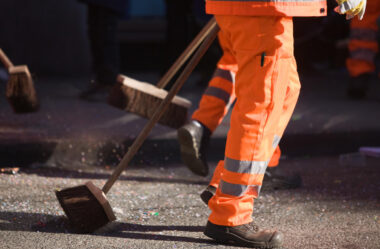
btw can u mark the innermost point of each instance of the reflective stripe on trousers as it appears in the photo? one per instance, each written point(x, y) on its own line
point(219, 92)
point(217, 176)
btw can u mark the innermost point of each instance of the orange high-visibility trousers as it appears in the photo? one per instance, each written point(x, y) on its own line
point(267, 89)
point(363, 45)
point(220, 94)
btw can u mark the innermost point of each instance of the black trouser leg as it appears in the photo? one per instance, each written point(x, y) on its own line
point(102, 32)
point(179, 29)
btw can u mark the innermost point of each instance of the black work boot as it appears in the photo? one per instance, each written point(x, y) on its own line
point(248, 235)
point(193, 139)
point(358, 86)
point(208, 193)
point(275, 178)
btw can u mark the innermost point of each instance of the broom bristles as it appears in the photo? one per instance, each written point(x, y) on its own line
point(20, 90)
point(143, 99)
point(85, 211)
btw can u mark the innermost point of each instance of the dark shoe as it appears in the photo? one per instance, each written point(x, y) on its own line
point(358, 86)
point(276, 179)
point(208, 193)
point(247, 235)
point(193, 139)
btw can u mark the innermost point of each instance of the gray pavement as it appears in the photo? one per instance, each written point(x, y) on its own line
point(159, 207)
point(70, 141)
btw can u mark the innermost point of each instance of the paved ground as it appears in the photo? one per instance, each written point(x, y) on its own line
point(70, 141)
point(158, 206)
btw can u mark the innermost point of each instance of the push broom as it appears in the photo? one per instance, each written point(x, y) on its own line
point(86, 206)
point(20, 90)
point(142, 98)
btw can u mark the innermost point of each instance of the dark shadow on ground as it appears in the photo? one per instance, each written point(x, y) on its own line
point(328, 180)
point(58, 224)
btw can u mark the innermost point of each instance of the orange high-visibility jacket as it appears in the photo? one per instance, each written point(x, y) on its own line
point(267, 7)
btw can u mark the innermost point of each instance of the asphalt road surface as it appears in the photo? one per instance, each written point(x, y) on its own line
point(158, 206)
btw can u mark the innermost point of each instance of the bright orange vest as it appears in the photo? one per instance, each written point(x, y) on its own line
point(267, 7)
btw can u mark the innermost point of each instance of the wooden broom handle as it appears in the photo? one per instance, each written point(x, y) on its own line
point(187, 53)
point(161, 109)
point(5, 60)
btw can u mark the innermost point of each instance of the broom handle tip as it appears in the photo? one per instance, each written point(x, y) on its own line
point(5, 60)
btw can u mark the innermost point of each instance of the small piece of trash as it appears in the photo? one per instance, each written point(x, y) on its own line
point(152, 213)
point(10, 171)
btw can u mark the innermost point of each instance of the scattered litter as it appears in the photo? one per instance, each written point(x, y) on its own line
point(10, 171)
point(153, 213)
point(370, 151)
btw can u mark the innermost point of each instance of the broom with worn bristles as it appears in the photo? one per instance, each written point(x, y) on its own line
point(142, 98)
point(20, 90)
point(86, 206)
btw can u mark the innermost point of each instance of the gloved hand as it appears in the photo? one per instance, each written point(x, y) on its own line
point(351, 8)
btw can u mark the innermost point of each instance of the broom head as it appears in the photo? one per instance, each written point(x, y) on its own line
point(143, 99)
point(20, 90)
point(86, 207)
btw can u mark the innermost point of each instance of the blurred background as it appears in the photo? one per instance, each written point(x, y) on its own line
point(69, 44)
point(51, 36)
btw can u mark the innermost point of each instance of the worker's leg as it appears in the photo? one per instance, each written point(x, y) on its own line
point(213, 107)
point(276, 177)
point(219, 94)
point(281, 180)
point(102, 30)
point(363, 45)
point(363, 48)
point(263, 48)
